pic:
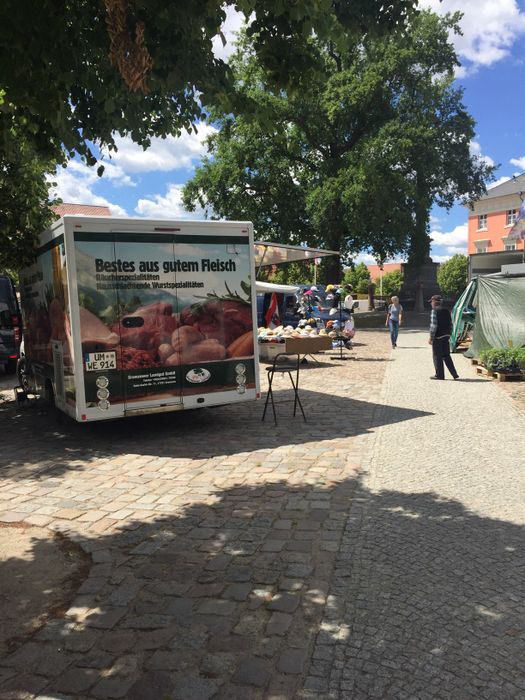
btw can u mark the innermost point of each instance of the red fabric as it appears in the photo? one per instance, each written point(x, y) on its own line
point(272, 315)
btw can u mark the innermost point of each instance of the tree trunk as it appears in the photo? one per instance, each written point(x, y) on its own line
point(330, 271)
point(419, 305)
point(420, 244)
point(371, 290)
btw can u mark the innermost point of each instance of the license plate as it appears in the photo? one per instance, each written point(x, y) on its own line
point(98, 361)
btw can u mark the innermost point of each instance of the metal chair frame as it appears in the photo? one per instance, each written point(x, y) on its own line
point(289, 368)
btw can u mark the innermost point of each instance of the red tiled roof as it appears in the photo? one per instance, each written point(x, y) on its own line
point(84, 209)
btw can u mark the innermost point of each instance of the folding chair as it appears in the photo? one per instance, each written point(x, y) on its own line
point(289, 366)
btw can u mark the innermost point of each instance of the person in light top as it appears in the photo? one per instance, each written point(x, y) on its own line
point(348, 303)
point(394, 319)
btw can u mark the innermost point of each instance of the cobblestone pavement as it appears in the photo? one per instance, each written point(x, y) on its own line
point(213, 538)
point(430, 581)
point(371, 552)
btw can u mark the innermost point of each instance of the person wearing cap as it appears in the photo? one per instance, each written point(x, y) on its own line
point(440, 330)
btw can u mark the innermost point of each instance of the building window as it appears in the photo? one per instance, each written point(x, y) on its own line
point(511, 217)
point(482, 248)
point(510, 246)
point(482, 222)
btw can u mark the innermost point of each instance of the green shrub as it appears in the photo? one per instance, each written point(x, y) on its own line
point(520, 357)
point(503, 359)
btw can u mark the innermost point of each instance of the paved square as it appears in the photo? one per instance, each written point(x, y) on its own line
point(373, 551)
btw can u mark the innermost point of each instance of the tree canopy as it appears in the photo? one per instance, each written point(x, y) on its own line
point(390, 284)
point(77, 72)
point(358, 277)
point(356, 154)
point(452, 275)
point(24, 206)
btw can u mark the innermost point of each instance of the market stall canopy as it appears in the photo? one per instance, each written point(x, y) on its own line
point(278, 253)
point(268, 288)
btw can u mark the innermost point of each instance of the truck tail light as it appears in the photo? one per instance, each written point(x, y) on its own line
point(15, 321)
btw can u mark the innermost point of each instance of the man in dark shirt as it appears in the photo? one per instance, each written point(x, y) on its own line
point(440, 330)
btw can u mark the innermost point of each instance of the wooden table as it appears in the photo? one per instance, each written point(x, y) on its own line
point(302, 346)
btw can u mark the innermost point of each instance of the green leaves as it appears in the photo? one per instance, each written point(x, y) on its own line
point(452, 275)
point(355, 151)
point(24, 211)
point(65, 84)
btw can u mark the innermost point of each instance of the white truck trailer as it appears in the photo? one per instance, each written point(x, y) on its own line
point(131, 316)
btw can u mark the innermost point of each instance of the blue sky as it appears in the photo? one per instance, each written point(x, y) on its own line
point(492, 53)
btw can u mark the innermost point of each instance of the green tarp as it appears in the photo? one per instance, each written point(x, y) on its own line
point(463, 315)
point(500, 314)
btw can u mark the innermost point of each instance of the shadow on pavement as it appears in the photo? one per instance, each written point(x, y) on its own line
point(39, 447)
point(230, 599)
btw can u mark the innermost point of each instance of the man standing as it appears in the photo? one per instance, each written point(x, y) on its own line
point(440, 330)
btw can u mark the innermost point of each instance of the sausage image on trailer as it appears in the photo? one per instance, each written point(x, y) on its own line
point(129, 316)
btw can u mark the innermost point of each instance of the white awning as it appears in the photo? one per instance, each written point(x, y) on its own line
point(267, 253)
point(269, 288)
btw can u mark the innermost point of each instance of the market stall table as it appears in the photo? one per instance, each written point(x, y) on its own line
point(304, 346)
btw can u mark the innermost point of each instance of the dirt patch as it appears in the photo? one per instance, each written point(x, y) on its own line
point(40, 572)
point(516, 391)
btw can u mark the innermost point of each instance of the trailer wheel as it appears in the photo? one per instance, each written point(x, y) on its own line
point(23, 378)
point(49, 394)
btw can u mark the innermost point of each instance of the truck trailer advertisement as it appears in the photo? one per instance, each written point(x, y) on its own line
point(126, 316)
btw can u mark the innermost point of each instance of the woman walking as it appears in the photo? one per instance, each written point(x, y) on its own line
point(394, 319)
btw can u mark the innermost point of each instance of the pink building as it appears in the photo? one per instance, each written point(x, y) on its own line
point(376, 272)
point(492, 217)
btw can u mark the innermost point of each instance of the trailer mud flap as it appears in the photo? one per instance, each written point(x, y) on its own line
point(58, 372)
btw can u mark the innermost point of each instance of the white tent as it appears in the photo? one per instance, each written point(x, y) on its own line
point(267, 253)
point(268, 288)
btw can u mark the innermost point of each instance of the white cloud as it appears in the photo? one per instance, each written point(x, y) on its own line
point(475, 150)
point(440, 258)
point(365, 258)
point(168, 206)
point(112, 172)
point(75, 184)
point(453, 250)
point(499, 181)
point(455, 240)
point(490, 27)
point(234, 21)
point(518, 162)
point(369, 259)
point(170, 153)
point(435, 221)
